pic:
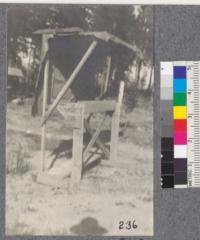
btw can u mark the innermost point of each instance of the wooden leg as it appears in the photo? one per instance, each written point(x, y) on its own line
point(43, 147)
point(115, 124)
point(45, 90)
point(114, 133)
point(77, 151)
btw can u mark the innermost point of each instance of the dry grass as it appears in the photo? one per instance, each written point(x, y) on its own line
point(17, 156)
point(20, 229)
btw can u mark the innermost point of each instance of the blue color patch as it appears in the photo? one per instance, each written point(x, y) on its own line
point(179, 85)
point(179, 72)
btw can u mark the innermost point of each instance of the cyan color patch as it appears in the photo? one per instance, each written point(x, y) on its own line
point(179, 85)
point(179, 72)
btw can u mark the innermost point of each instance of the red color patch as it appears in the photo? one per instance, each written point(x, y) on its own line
point(180, 125)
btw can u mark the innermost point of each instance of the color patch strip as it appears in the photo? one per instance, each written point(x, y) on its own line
point(180, 131)
point(180, 124)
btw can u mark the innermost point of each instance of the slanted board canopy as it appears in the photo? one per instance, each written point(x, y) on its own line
point(100, 35)
point(66, 46)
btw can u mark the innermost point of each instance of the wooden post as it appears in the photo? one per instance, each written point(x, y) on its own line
point(115, 124)
point(77, 151)
point(53, 80)
point(69, 81)
point(45, 94)
point(121, 93)
point(50, 82)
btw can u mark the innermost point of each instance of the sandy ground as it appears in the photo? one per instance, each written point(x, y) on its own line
point(110, 192)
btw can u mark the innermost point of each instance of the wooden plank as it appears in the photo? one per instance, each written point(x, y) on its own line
point(72, 112)
point(50, 82)
point(90, 107)
point(99, 106)
point(45, 93)
point(77, 152)
point(70, 80)
point(53, 80)
point(94, 137)
point(44, 56)
point(115, 125)
point(121, 92)
point(114, 133)
point(98, 141)
point(134, 48)
point(108, 37)
point(44, 48)
point(56, 31)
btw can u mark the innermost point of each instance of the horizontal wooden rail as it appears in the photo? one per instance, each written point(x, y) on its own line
point(71, 109)
point(99, 106)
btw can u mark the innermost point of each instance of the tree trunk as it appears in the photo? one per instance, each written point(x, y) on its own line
point(139, 65)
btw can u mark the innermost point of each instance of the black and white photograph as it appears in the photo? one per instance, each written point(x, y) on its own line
point(79, 120)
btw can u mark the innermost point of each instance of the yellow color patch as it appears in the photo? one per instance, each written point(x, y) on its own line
point(180, 112)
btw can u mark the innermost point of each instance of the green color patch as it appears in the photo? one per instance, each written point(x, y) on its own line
point(179, 99)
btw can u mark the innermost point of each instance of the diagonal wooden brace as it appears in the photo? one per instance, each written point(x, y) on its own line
point(94, 137)
point(69, 81)
point(98, 141)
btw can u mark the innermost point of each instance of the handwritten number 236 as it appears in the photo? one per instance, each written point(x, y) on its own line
point(127, 225)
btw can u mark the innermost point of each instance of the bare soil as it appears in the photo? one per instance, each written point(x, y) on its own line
point(110, 192)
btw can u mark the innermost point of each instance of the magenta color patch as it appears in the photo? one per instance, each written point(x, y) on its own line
point(180, 138)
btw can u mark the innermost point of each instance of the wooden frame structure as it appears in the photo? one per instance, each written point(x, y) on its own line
point(80, 109)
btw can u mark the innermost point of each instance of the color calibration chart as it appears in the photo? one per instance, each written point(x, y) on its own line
point(180, 124)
